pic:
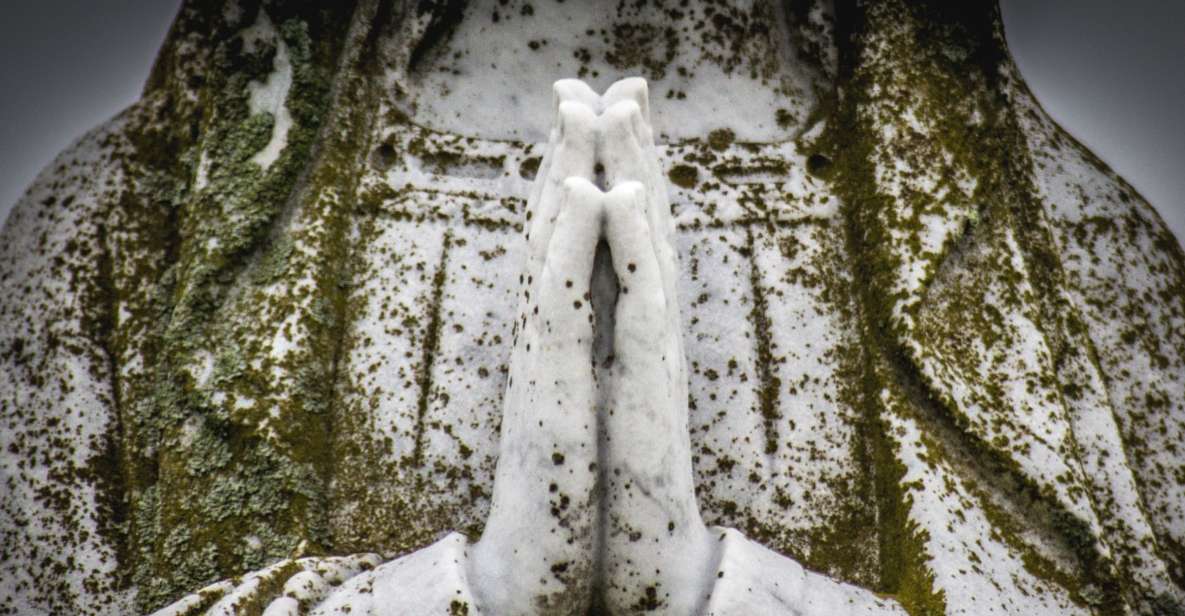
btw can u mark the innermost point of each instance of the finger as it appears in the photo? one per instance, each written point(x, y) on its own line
point(538, 544)
point(565, 309)
point(630, 88)
point(555, 338)
point(641, 304)
point(620, 145)
point(648, 364)
point(572, 156)
point(627, 156)
point(626, 160)
point(573, 90)
point(571, 153)
point(564, 90)
point(656, 538)
point(553, 387)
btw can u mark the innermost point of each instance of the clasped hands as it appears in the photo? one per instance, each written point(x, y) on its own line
point(594, 505)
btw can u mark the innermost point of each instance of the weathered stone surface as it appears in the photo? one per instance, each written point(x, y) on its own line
point(935, 347)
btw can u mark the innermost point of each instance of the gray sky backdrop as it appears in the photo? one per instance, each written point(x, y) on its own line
point(1113, 73)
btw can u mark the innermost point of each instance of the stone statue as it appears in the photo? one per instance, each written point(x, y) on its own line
point(594, 502)
point(264, 343)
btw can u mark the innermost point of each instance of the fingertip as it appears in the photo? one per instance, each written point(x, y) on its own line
point(625, 205)
point(578, 187)
point(572, 90)
point(574, 121)
point(630, 192)
point(625, 117)
point(631, 88)
point(585, 200)
point(623, 149)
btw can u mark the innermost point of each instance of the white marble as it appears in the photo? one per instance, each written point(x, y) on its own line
point(594, 500)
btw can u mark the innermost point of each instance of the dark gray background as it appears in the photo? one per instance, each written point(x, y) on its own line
point(1113, 73)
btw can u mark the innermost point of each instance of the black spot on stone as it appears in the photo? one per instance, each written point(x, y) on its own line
point(529, 168)
point(818, 164)
point(383, 157)
point(684, 176)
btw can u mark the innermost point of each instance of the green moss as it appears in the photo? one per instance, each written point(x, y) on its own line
point(269, 588)
point(818, 165)
point(430, 342)
point(645, 46)
point(771, 385)
point(684, 176)
point(784, 118)
point(720, 139)
point(904, 561)
point(216, 481)
point(530, 167)
point(968, 139)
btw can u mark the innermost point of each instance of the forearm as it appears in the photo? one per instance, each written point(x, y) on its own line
point(658, 554)
point(538, 551)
